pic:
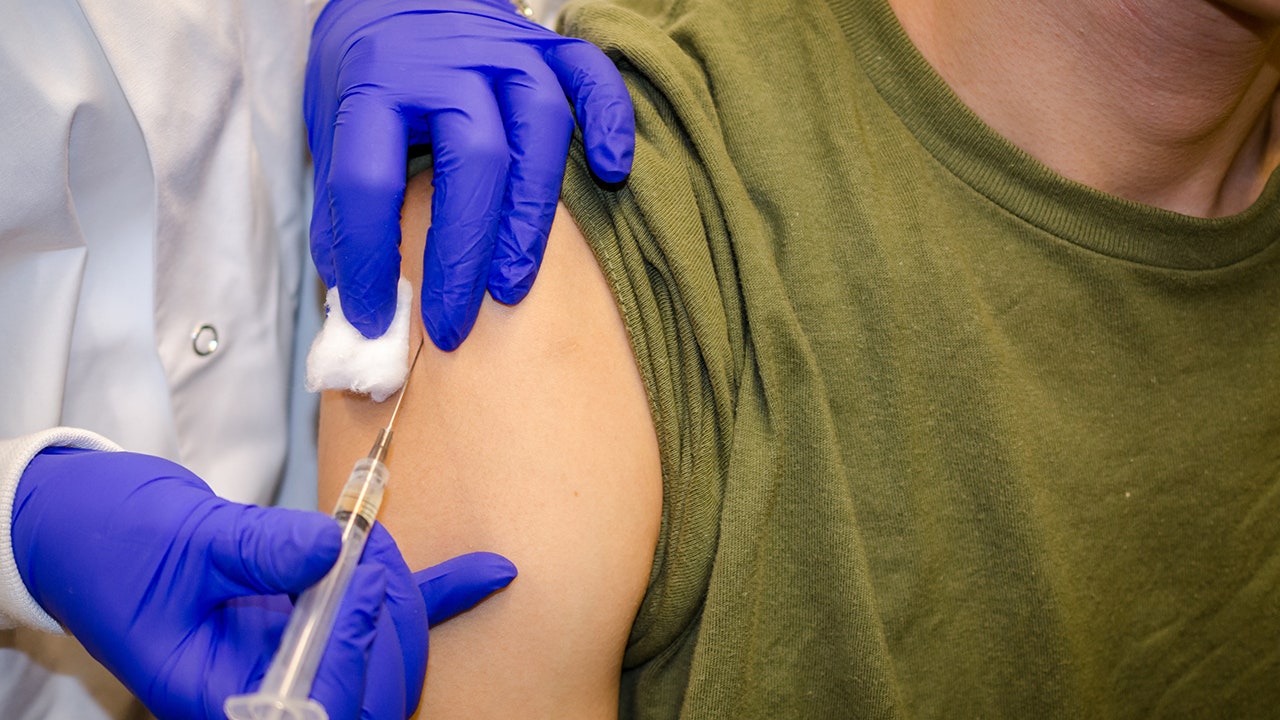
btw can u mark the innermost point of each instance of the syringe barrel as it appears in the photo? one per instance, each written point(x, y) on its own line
point(293, 668)
point(361, 496)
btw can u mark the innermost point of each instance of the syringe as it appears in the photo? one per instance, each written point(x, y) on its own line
point(286, 689)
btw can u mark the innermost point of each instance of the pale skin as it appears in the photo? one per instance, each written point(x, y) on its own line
point(534, 438)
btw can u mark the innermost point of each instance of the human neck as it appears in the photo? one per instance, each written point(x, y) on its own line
point(1168, 103)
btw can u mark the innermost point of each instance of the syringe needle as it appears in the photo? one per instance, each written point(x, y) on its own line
point(396, 410)
point(383, 441)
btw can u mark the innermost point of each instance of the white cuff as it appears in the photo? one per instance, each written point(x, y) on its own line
point(17, 607)
point(343, 359)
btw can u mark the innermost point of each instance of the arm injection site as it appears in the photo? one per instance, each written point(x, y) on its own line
point(341, 358)
point(533, 439)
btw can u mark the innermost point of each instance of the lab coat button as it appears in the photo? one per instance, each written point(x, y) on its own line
point(204, 340)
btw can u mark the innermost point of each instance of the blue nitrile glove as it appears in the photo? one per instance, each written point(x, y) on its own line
point(486, 88)
point(180, 593)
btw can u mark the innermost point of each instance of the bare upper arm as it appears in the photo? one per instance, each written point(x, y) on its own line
point(533, 440)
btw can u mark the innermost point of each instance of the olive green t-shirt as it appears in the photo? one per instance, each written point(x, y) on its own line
point(944, 434)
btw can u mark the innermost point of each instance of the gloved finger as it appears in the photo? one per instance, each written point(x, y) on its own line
point(322, 227)
point(602, 103)
point(471, 160)
point(405, 610)
point(366, 190)
point(340, 681)
point(539, 127)
point(459, 584)
point(319, 103)
point(265, 551)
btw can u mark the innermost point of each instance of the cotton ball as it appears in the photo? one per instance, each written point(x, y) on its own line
point(343, 359)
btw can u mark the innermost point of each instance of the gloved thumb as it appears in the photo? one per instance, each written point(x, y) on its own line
point(459, 584)
point(265, 551)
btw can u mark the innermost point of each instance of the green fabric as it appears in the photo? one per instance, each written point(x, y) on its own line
point(944, 434)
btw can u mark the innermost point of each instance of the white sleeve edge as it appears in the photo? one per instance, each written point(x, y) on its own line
point(17, 607)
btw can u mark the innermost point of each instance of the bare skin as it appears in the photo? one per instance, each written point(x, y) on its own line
point(1170, 104)
point(533, 440)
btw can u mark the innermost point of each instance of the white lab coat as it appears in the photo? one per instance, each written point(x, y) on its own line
point(153, 172)
point(152, 165)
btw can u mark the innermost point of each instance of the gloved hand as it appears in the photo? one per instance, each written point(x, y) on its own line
point(486, 89)
point(180, 593)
